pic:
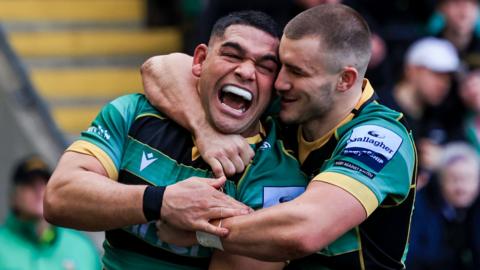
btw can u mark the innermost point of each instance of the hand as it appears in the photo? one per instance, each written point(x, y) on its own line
point(173, 235)
point(226, 154)
point(190, 204)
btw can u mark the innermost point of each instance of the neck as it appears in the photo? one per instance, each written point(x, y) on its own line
point(343, 105)
point(253, 130)
point(458, 39)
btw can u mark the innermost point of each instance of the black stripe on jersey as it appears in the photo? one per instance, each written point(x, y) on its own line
point(345, 261)
point(121, 239)
point(167, 137)
point(315, 159)
point(129, 178)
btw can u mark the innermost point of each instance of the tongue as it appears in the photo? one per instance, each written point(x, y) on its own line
point(234, 101)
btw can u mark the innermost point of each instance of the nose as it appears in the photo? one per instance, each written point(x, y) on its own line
point(245, 71)
point(282, 83)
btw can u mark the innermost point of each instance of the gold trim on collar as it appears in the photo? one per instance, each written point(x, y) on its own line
point(305, 147)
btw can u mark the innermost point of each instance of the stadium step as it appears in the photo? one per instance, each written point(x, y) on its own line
point(95, 42)
point(87, 83)
point(81, 54)
point(79, 10)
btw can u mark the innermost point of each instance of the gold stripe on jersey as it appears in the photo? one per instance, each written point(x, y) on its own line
point(87, 148)
point(360, 191)
point(305, 147)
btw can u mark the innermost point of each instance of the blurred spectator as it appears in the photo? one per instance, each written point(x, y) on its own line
point(445, 228)
point(470, 94)
point(426, 86)
point(426, 98)
point(27, 241)
point(395, 24)
point(460, 18)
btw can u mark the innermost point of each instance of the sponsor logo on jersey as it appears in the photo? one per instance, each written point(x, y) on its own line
point(147, 159)
point(265, 145)
point(276, 195)
point(100, 131)
point(372, 145)
point(353, 167)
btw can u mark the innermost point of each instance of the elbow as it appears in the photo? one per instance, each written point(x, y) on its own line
point(147, 66)
point(52, 203)
point(302, 244)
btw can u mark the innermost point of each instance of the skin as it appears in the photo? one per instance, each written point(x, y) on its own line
point(245, 57)
point(460, 17)
point(304, 225)
point(460, 182)
point(28, 199)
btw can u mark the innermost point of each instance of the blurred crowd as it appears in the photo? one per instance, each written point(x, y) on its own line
point(426, 64)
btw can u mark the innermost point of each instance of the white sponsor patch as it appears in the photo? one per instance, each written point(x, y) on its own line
point(276, 195)
point(377, 139)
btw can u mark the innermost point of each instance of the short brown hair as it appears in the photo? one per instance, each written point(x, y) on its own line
point(343, 33)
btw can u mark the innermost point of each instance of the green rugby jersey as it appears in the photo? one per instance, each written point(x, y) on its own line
point(371, 155)
point(138, 145)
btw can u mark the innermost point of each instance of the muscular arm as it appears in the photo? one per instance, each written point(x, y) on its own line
point(80, 196)
point(296, 228)
point(170, 86)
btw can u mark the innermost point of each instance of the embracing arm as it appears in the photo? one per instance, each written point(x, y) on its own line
point(297, 228)
point(289, 230)
point(170, 86)
point(80, 195)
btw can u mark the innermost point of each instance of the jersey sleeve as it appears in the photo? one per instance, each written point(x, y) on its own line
point(375, 162)
point(106, 137)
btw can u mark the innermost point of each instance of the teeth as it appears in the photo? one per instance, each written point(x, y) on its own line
point(238, 91)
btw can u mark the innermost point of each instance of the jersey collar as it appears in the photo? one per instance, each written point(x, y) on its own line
point(305, 147)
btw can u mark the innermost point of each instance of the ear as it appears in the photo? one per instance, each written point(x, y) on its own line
point(199, 57)
point(347, 78)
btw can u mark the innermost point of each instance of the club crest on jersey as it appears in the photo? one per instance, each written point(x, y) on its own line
point(372, 145)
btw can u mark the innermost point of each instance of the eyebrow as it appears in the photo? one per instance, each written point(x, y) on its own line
point(241, 50)
point(235, 46)
point(293, 67)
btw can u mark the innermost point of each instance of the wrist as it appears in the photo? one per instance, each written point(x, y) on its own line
point(152, 202)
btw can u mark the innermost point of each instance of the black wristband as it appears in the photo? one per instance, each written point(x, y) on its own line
point(152, 202)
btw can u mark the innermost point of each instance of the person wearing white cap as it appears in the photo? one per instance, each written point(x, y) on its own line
point(422, 93)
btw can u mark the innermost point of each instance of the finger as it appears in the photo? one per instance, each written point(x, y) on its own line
point(238, 163)
point(218, 231)
point(216, 166)
point(228, 166)
point(224, 212)
point(246, 154)
point(216, 183)
point(225, 201)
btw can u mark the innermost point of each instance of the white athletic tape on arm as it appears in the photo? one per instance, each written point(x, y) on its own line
point(209, 240)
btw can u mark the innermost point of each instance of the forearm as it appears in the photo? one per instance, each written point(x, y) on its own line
point(172, 89)
point(296, 228)
point(87, 200)
point(273, 234)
